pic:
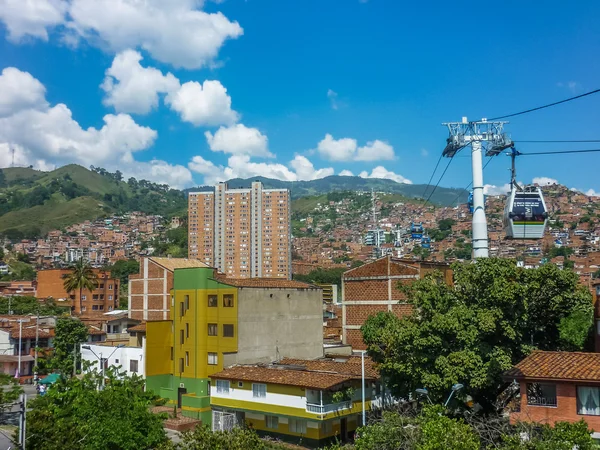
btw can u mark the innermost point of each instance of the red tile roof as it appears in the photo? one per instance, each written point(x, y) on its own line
point(329, 365)
point(268, 283)
point(29, 333)
point(140, 327)
point(557, 366)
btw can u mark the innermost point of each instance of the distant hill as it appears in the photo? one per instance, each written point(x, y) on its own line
point(441, 196)
point(34, 202)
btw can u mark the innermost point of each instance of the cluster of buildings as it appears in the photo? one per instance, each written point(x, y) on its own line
point(101, 242)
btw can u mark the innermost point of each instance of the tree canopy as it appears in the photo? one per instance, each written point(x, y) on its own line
point(75, 415)
point(471, 332)
point(69, 334)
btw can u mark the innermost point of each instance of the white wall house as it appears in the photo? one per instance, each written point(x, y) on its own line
point(127, 359)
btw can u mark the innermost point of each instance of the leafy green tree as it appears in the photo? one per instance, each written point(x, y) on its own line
point(123, 268)
point(323, 276)
point(75, 415)
point(9, 391)
point(561, 436)
point(70, 333)
point(471, 332)
point(202, 438)
point(82, 277)
point(30, 305)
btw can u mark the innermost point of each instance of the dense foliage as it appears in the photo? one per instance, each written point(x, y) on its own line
point(30, 305)
point(75, 415)
point(323, 276)
point(69, 334)
point(472, 331)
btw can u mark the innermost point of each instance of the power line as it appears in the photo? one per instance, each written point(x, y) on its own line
point(431, 177)
point(561, 142)
point(591, 150)
point(437, 184)
point(545, 106)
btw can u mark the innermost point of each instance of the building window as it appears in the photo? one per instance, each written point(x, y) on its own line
point(326, 427)
point(187, 359)
point(110, 297)
point(181, 337)
point(272, 422)
point(95, 307)
point(83, 308)
point(213, 359)
point(259, 390)
point(212, 301)
point(228, 301)
point(227, 330)
point(588, 401)
point(84, 297)
point(181, 365)
point(240, 384)
point(133, 365)
point(101, 286)
point(172, 353)
point(187, 330)
point(297, 426)
point(101, 307)
point(181, 309)
point(213, 329)
point(539, 394)
point(186, 300)
point(223, 386)
point(110, 287)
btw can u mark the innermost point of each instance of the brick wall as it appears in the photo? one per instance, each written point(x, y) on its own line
point(150, 304)
point(565, 411)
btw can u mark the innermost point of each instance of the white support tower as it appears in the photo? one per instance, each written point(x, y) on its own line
point(476, 134)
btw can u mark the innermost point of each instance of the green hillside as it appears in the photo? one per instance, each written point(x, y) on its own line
point(34, 202)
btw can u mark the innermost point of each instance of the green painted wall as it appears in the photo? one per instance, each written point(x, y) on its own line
point(196, 398)
point(155, 383)
point(196, 278)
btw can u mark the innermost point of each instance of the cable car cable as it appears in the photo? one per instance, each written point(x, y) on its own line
point(595, 91)
point(437, 184)
point(562, 142)
point(561, 152)
point(431, 177)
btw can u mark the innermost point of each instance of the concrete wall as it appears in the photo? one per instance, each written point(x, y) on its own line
point(277, 323)
point(117, 357)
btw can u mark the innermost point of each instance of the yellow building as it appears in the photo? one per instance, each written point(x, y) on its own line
point(300, 401)
point(217, 322)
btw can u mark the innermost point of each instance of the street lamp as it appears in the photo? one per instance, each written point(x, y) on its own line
point(424, 392)
point(362, 362)
point(455, 388)
point(100, 359)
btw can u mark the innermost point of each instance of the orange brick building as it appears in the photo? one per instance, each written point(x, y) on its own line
point(149, 291)
point(244, 233)
point(372, 288)
point(558, 387)
point(103, 299)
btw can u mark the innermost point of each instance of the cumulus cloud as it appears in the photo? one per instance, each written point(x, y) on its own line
point(205, 104)
point(544, 181)
point(492, 189)
point(382, 172)
point(347, 149)
point(332, 96)
point(241, 166)
point(31, 18)
point(46, 136)
point(132, 88)
point(176, 32)
point(346, 173)
point(238, 140)
point(19, 91)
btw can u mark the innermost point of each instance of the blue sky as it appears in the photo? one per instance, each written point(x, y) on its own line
point(187, 92)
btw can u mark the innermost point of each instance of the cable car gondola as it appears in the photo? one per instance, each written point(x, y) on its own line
point(525, 215)
point(426, 242)
point(416, 230)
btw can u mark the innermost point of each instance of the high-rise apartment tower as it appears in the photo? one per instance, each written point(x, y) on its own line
point(245, 233)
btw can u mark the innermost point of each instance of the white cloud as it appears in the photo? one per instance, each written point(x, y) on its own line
point(332, 96)
point(491, 189)
point(18, 91)
point(346, 173)
point(337, 149)
point(572, 86)
point(305, 170)
point(424, 153)
point(132, 88)
point(375, 151)
point(382, 172)
point(592, 193)
point(544, 181)
point(46, 136)
point(204, 104)
point(241, 166)
point(31, 17)
point(238, 140)
point(176, 32)
point(347, 149)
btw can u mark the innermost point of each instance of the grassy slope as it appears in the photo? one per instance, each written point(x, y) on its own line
point(305, 205)
point(84, 177)
point(21, 173)
point(54, 214)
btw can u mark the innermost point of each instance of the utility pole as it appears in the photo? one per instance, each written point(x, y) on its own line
point(463, 134)
point(23, 421)
point(18, 374)
point(37, 336)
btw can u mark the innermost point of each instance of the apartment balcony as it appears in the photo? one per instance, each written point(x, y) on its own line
point(328, 408)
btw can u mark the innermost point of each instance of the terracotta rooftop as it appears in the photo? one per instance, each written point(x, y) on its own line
point(329, 365)
point(92, 330)
point(283, 376)
point(558, 366)
point(29, 333)
point(178, 263)
point(140, 327)
point(273, 283)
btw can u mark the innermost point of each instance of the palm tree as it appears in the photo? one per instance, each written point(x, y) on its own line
point(82, 277)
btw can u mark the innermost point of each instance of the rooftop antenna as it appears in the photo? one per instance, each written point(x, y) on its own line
point(463, 134)
point(12, 150)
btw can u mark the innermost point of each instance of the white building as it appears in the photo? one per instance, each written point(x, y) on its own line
point(127, 359)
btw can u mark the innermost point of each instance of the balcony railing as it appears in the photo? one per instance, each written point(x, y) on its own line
point(324, 409)
point(541, 401)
